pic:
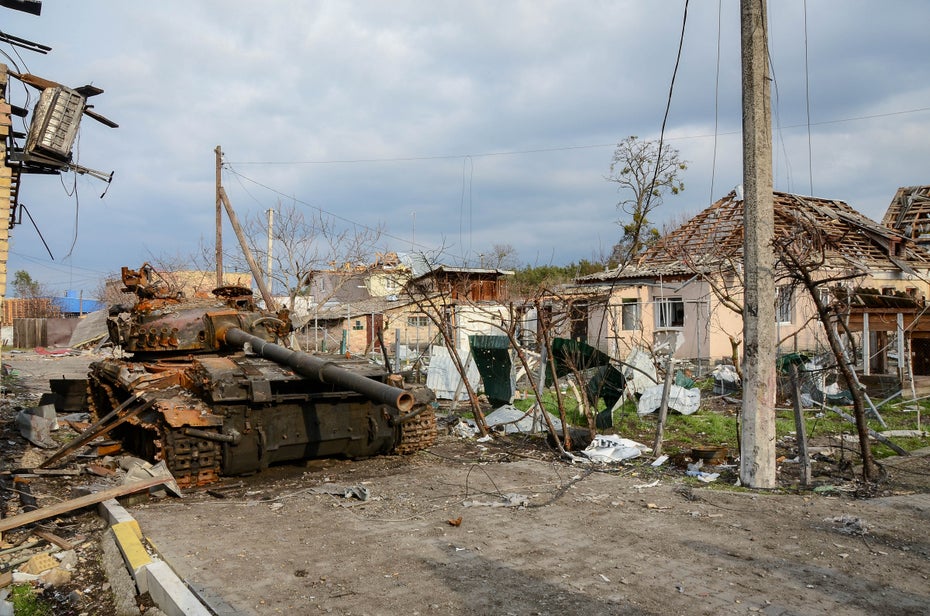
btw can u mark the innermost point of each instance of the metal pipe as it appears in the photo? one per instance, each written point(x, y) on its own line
point(320, 369)
point(214, 436)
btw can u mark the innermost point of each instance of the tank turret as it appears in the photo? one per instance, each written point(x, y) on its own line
point(211, 388)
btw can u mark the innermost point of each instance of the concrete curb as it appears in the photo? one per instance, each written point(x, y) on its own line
point(151, 575)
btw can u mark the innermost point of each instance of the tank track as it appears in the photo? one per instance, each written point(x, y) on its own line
point(196, 461)
point(192, 461)
point(417, 434)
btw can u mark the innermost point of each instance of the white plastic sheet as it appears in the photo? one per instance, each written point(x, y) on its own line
point(685, 401)
point(512, 420)
point(613, 448)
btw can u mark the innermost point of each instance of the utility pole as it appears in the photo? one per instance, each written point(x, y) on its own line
point(270, 244)
point(219, 217)
point(757, 439)
point(244, 244)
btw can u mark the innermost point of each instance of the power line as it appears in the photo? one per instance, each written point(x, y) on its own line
point(332, 214)
point(807, 98)
point(566, 148)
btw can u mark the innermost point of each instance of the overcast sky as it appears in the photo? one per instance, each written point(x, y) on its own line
point(450, 124)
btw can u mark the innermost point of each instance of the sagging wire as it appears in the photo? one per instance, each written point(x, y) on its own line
point(807, 98)
point(22, 206)
point(655, 177)
point(713, 164)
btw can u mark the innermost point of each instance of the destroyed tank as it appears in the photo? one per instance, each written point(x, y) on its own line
point(210, 389)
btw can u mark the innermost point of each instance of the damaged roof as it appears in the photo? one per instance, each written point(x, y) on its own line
point(909, 213)
point(714, 238)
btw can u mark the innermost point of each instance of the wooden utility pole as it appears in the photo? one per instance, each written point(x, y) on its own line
point(253, 265)
point(219, 217)
point(757, 438)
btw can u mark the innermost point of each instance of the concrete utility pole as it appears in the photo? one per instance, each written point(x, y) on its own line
point(219, 217)
point(757, 440)
point(9, 179)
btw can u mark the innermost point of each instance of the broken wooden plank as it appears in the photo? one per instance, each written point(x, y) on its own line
point(54, 539)
point(80, 502)
point(99, 428)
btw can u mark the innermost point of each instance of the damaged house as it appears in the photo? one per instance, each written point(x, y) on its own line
point(684, 294)
point(353, 308)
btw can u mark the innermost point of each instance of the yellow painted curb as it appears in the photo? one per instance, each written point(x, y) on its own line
point(128, 537)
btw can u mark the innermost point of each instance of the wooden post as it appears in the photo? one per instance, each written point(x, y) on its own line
point(757, 440)
point(663, 407)
point(899, 331)
point(866, 345)
point(801, 428)
point(256, 271)
point(219, 217)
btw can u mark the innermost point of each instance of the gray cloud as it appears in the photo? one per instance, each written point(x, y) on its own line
point(476, 123)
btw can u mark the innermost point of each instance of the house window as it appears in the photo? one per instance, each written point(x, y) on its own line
point(390, 285)
point(784, 304)
point(670, 312)
point(418, 321)
point(629, 314)
point(579, 319)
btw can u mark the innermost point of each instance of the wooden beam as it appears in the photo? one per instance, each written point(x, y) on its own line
point(79, 503)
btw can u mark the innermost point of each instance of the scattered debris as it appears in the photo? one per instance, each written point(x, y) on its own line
point(849, 525)
point(506, 500)
point(512, 420)
point(36, 425)
point(685, 401)
point(710, 455)
point(694, 470)
point(639, 371)
point(463, 429)
point(357, 491)
point(726, 379)
point(140, 470)
point(905, 433)
point(612, 448)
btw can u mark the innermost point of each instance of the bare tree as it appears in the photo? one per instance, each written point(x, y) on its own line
point(644, 172)
point(435, 301)
point(501, 256)
point(306, 242)
point(803, 253)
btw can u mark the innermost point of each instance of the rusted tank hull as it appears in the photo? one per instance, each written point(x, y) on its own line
point(239, 414)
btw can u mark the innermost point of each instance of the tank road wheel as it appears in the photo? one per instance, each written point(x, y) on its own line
point(416, 434)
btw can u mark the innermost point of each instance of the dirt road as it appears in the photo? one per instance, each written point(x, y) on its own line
point(577, 542)
point(534, 536)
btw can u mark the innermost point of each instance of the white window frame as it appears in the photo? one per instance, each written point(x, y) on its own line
point(665, 313)
point(635, 307)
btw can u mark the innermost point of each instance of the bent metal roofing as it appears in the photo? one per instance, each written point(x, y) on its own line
point(714, 238)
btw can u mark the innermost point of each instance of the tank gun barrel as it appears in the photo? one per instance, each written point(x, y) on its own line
point(316, 368)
